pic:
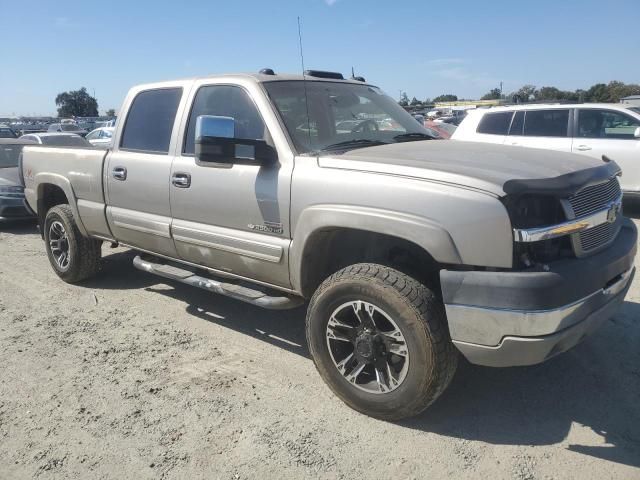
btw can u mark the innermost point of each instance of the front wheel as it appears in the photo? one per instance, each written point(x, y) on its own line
point(73, 256)
point(379, 340)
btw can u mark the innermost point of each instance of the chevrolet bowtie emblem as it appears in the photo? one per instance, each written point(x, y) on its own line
point(612, 213)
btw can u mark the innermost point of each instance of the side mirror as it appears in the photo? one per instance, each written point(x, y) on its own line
point(636, 134)
point(216, 143)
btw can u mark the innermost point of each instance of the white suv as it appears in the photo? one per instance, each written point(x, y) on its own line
point(588, 129)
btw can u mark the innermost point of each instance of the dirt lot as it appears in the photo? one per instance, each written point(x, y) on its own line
point(130, 376)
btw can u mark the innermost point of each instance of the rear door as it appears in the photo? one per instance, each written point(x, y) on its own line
point(233, 217)
point(610, 132)
point(541, 128)
point(138, 171)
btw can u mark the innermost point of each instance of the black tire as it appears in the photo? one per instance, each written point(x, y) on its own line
point(417, 312)
point(83, 253)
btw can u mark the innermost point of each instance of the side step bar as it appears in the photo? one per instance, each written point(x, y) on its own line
point(244, 294)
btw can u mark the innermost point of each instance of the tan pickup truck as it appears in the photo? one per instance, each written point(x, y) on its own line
point(280, 190)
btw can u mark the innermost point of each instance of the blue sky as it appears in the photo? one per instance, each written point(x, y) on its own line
point(425, 48)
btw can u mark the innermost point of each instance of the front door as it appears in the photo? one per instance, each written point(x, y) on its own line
point(233, 217)
point(609, 132)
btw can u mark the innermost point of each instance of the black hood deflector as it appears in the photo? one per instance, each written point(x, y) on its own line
point(564, 185)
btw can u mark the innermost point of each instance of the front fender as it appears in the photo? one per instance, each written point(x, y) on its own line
point(425, 233)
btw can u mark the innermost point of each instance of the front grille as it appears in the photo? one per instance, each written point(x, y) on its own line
point(594, 198)
point(597, 236)
point(590, 200)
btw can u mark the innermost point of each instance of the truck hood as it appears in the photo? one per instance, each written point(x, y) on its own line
point(9, 177)
point(473, 165)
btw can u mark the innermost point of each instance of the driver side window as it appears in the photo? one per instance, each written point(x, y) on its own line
point(226, 101)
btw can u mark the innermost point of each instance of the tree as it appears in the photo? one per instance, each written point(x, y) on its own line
point(448, 97)
point(617, 90)
point(110, 113)
point(494, 94)
point(404, 99)
point(76, 103)
point(415, 101)
point(549, 93)
point(597, 93)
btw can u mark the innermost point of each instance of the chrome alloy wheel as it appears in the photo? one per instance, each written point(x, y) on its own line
point(367, 347)
point(59, 244)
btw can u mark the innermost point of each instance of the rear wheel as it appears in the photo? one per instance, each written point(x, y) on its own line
point(73, 256)
point(379, 340)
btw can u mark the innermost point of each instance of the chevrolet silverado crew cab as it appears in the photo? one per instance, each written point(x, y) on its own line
point(279, 190)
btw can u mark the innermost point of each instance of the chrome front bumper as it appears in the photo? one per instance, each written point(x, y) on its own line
point(512, 318)
point(533, 336)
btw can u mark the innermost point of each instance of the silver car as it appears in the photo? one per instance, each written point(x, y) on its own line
point(12, 205)
point(101, 137)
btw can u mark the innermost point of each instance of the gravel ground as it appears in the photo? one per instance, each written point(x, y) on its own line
point(130, 376)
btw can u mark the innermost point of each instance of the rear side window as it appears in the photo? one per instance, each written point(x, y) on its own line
point(150, 121)
point(495, 123)
point(546, 123)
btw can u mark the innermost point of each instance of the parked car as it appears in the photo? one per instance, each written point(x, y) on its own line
point(6, 132)
point(444, 130)
point(12, 204)
point(67, 128)
point(100, 137)
point(587, 129)
point(57, 139)
point(408, 251)
point(454, 117)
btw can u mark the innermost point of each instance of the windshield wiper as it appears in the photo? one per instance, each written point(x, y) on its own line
point(358, 143)
point(409, 137)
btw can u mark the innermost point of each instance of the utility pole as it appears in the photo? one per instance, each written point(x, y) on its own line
point(500, 90)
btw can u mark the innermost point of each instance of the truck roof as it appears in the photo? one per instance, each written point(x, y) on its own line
point(255, 77)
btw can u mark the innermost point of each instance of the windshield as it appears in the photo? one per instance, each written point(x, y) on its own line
point(635, 109)
point(341, 116)
point(69, 127)
point(9, 155)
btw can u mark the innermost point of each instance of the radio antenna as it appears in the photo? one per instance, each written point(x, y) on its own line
point(304, 82)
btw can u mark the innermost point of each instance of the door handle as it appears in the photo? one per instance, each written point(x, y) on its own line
point(181, 180)
point(119, 173)
point(583, 148)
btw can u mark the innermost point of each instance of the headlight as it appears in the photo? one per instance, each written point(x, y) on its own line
point(531, 211)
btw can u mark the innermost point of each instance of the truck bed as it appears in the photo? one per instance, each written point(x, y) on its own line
point(78, 172)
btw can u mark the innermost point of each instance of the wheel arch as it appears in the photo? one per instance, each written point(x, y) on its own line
point(55, 190)
point(330, 237)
